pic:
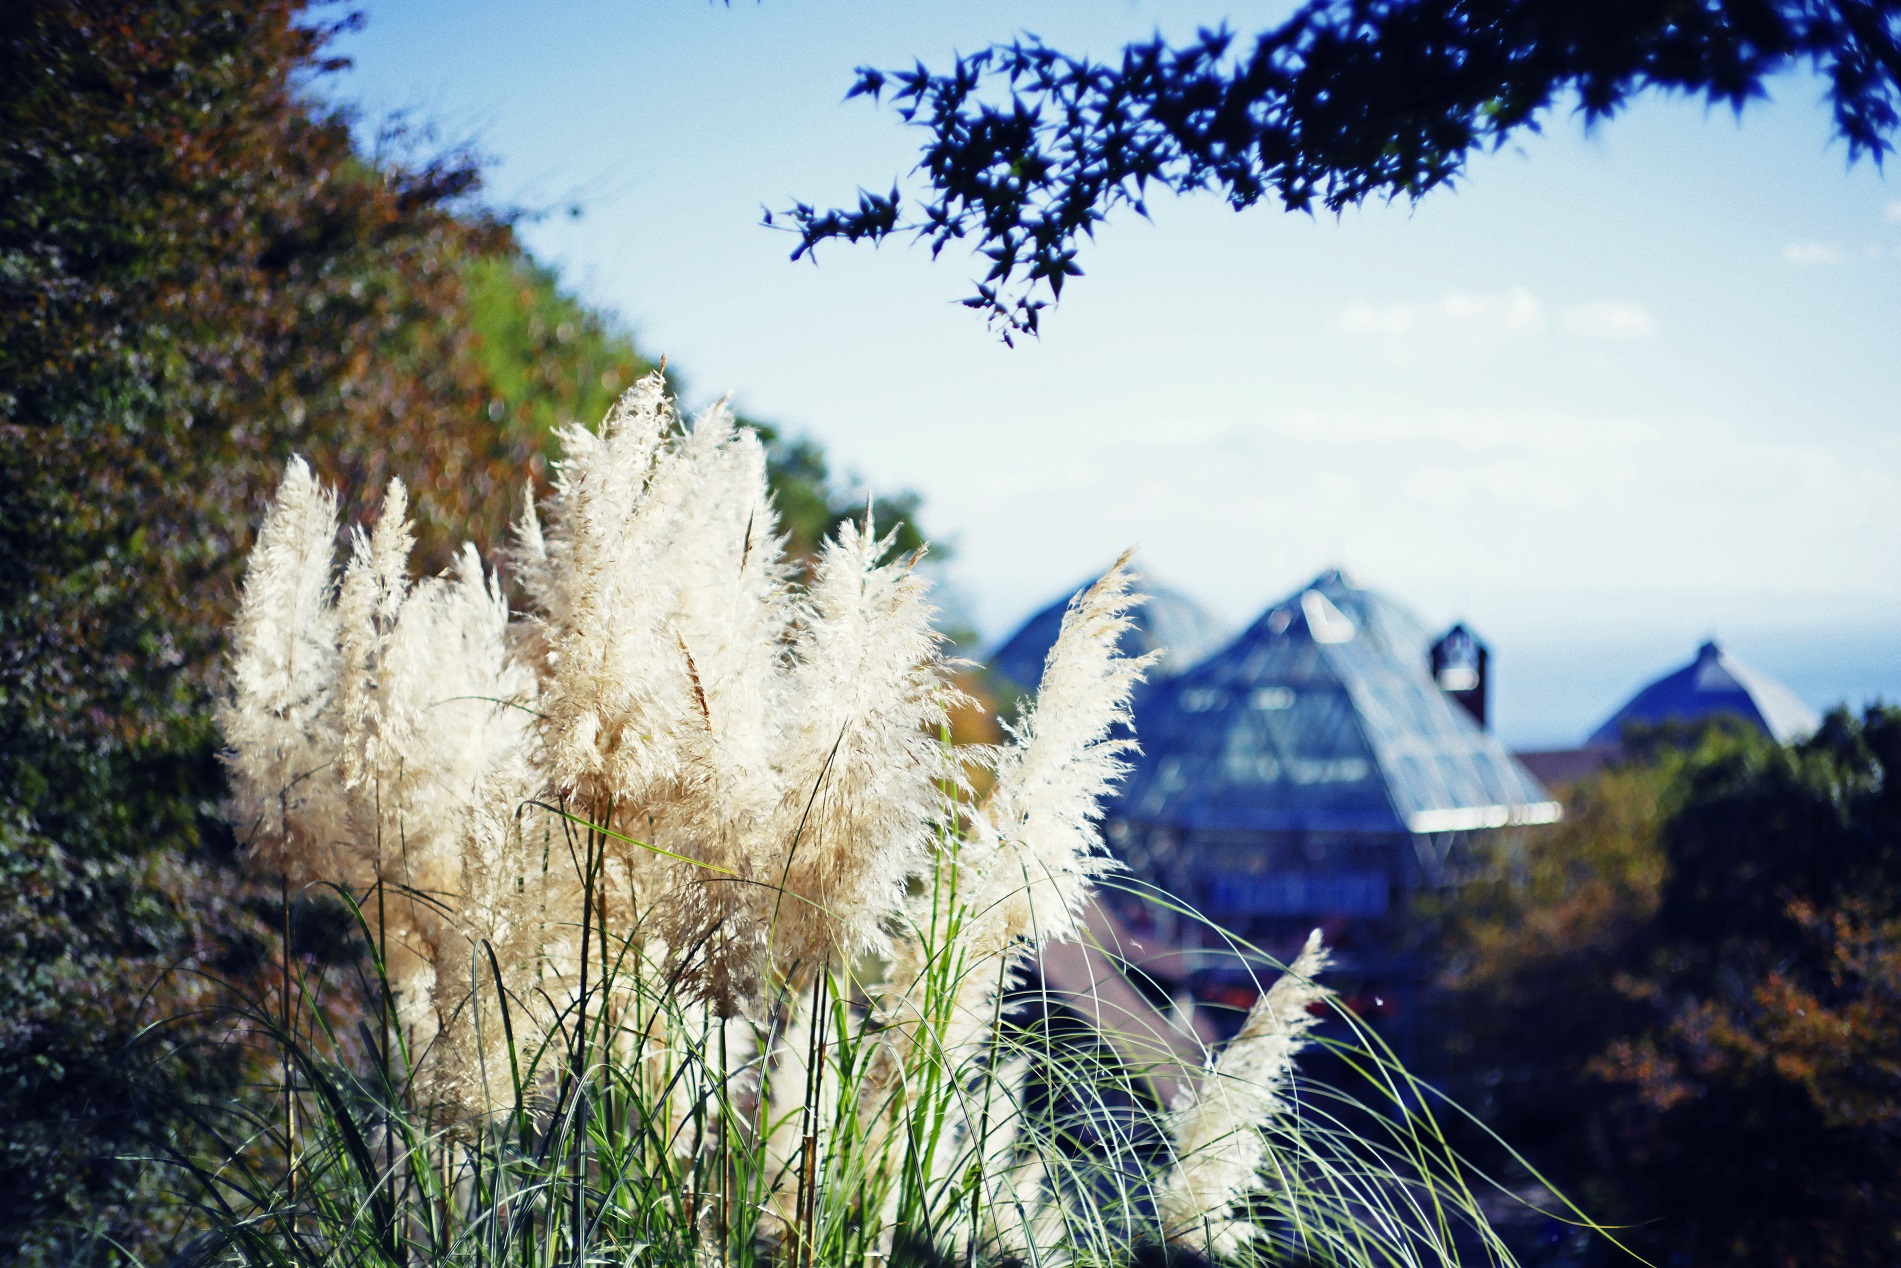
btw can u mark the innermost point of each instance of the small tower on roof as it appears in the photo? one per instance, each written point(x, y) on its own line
point(1461, 665)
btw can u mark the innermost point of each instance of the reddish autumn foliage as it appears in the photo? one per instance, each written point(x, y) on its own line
point(1686, 1001)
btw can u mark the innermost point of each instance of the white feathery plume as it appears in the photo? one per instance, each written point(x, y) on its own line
point(730, 620)
point(479, 717)
point(617, 697)
point(528, 552)
point(615, 692)
point(397, 829)
point(1217, 1132)
point(1036, 840)
point(387, 721)
point(1021, 875)
point(434, 709)
point(1034, 850)
point(862, 755)
point(377, 734)
point(277, 717)
point(496, 959)
point(480, 698)
point(664, 611)
point(526, 556)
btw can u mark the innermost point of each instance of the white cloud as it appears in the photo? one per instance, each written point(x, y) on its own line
point(1813, 253)
point(1505, 486)
point(1437, 502)
point(1460, 314)
point(1485, 317)
point(1894, 210)
point(1368, 319)
point(1469, 431)
point(1609, 319)
point(1512, 312)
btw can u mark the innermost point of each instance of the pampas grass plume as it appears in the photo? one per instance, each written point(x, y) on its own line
point(1218, 1142)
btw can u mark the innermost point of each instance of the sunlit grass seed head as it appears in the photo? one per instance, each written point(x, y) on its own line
point(279, 718)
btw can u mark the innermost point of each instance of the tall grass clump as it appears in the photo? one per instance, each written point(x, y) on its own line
point(689, 940)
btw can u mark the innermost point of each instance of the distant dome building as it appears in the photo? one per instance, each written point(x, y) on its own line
point(1713, 684)
point(1313, 772)
point(1170, 622)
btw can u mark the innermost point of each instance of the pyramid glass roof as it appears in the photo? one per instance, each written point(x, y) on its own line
point(1322, 717)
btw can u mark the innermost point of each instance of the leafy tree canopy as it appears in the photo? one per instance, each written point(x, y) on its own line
point(1685, 1000)
point(1030, 148)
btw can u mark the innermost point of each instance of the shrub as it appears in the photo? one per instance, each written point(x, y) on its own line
point(202, 271)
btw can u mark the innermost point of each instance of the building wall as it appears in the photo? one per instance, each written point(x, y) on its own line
point(1255, 894)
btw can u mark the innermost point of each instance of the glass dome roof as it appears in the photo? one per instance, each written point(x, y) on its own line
point(1715, 682)
point(1170, 621)
point(1322, 716)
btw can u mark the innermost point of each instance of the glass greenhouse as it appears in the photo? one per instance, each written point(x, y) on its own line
point(1170, 622)
point(1312, 772)
point(1714, 683)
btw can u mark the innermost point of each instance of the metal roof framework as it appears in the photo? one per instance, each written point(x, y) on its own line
point(1322, 717)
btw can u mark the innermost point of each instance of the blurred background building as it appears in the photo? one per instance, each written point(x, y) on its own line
point(1325, 768)
point(1169, 622)
point(1714, 684)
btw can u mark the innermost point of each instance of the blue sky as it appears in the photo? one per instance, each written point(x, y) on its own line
point(1616, 393)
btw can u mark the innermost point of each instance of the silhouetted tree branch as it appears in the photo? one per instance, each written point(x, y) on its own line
point(1030, 148)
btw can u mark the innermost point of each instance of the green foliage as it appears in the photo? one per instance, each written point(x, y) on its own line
point(201, 274)
point(1683, 1000)
point(549, 359)
point(1763, 825)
